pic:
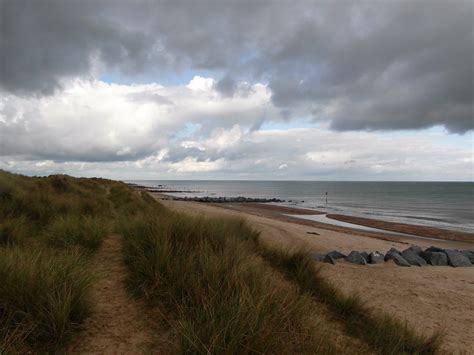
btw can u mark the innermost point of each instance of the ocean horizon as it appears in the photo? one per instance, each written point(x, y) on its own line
point(448, 205)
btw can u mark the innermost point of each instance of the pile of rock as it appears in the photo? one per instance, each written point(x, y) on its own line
point(414, 255)
point(239, 199)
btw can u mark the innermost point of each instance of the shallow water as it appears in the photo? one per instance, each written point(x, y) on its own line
point(447, 205)
point(324, 219)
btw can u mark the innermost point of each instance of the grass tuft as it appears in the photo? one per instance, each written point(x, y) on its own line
point(220, 296)
point(13, 231)
point(72, 231)
point(383, 333)
point(42, 296)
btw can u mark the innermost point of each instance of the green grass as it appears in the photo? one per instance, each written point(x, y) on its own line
point(383, 333)
point(217, 288)
point(13, 231)
point(76, 231)
point(218, 294)
point(43, 295)
point(44, 224)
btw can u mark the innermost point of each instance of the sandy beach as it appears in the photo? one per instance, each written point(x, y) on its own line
point(430, 298)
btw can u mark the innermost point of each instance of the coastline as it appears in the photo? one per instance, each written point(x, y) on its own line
point(429, 298)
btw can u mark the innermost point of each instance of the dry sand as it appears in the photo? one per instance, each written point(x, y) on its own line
point(428, 298)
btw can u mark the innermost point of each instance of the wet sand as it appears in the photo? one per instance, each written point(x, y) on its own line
point(429, 298)
point(454, 239)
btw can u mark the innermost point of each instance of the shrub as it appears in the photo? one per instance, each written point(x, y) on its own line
point(43, 296)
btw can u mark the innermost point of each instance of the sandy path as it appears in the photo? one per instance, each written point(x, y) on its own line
point(117, 325)
point(428, 298)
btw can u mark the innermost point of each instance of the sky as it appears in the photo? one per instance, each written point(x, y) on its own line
point(238, 89)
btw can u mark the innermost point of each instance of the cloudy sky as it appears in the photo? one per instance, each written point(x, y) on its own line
point(297, 90)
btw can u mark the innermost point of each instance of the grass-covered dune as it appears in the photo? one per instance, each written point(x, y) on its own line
point(49, 228)
point(211, 286)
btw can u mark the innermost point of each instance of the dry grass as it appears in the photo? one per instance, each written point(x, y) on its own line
point(219, 295)
point(43, 296)
point(383, 333)
point(207, 276)
point(48, 228)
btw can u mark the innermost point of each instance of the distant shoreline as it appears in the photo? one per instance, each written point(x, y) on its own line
point(427, 298)
point(443, 207)
point(451, 237)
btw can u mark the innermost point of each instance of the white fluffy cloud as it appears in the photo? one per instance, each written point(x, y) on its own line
point(96, 121)
point(195, 131)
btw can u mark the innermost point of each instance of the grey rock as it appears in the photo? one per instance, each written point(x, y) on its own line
point(412, 258)
point(318, 257)
point(376, 258)
point(394, 255)
point(329, 259)
point(390, 253)
point(470, 255)
point(457, 259)
point(365, 255)
point(355, 257)
point(414, 249)
point(336, 255)
point(435, 249)
point(435, 258)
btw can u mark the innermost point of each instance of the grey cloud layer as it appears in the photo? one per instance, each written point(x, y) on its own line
point(358, 65)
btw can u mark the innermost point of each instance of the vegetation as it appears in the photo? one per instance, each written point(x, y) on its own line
point(216, 288)
point(75, 230)
point(384, 334)
point(43, 296)
point(218, 294)
point(49, 227)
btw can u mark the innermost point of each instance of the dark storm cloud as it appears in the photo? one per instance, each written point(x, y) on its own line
point(359, 65)
point(226, 86)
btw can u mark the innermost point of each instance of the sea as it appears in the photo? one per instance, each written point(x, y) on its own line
point(448, 205)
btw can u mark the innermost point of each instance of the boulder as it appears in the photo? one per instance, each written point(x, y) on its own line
point(457, 259)
point(470, 255)
point(414, 249)
point(376, 258)
point(365, 255)
point(435, 258)
point(355, 257)
point(435, 249)
point(336, 255)
point(390, 253)
point(329, 259)
point(413, 258)
point(394, 255)
point(318, 257)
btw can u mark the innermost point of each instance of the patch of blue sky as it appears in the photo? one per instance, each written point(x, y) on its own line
point(188, 131)
point(170, 78)
point(290, 124)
